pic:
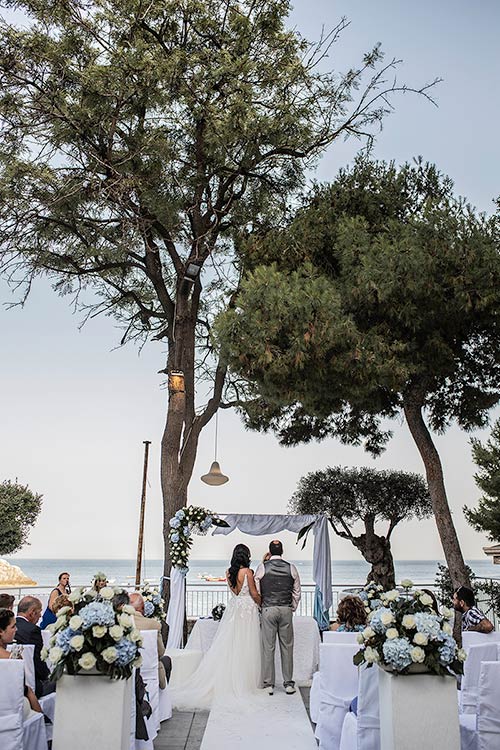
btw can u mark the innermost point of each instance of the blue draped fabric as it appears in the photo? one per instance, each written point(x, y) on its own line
point(320, 613)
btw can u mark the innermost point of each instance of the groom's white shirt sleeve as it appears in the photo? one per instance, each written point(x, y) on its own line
point(258, 575)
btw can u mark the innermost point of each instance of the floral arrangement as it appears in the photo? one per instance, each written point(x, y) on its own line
point(185, 523)
point(218, 611)
point(153, 602)
point(405, 631)
point(93, 635)
point(370, 595)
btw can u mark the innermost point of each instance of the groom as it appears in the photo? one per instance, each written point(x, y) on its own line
point(279, 585)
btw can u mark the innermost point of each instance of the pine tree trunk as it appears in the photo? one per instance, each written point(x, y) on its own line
point(435, 480)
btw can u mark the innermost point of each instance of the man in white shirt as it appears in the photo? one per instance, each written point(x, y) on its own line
point(278, 583)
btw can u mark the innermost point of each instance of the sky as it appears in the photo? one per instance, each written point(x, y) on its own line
point(75, 408)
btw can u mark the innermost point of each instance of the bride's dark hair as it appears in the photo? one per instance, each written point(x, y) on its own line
point(240, 559)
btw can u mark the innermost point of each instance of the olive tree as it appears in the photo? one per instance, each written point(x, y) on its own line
point(19, 509)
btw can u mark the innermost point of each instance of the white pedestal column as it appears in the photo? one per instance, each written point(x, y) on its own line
point(92, 713)
point(418, 711)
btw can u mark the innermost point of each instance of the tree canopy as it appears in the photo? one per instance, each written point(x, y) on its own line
point(382, 297)
point(352, 495)
point(486, 517)
point(19, 509)
point(140, 147)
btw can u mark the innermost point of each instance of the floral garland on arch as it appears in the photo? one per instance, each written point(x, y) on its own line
point(185, 523)
point(154, 605)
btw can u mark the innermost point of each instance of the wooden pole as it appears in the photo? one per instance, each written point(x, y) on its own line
point(140, 542)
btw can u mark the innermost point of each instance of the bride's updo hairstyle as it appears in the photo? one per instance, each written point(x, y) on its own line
point(240, 559)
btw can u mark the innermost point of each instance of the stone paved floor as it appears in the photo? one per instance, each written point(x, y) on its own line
point(184, 731)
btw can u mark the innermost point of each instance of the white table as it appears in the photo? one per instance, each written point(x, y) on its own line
point(305, 647)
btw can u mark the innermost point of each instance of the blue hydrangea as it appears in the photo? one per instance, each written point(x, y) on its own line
point(428, 624)
point(376, 622)
point(97, 613)
point(149, 608)
point(175, 537)
point(180, 514)
point(126, 652)
point(397, 653)
point(448, 649)
point(174, 523)
point(156, 599)
point(186, 530)
point(375, 603)
point(63, 638)
point(363, 595)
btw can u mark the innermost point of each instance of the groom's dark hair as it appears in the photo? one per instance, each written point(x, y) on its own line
point(275, 547)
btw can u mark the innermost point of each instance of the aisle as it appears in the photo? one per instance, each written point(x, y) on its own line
point(278, 722)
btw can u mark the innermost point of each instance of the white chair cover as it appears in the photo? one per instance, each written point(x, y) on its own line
point(149, 673)
point(14, 732)
point(315, 698)
point(472, 669)
point(338, 686)
point(333, 636)
point(137, 744)
point(363, 732)
point(29, 664)
point(482, 732)
point(471, 638)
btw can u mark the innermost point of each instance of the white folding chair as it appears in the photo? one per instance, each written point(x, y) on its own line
point(333, 636)
point(15, 732)
point(338, 686)
point(472, 670)
point(482, 732)
point(362, 732)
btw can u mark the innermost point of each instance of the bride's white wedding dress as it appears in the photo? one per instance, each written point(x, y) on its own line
point(230, 669)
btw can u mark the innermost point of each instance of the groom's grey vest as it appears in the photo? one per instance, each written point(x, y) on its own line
point(277, 585)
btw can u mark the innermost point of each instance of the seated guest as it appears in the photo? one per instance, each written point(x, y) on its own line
point(7, 633)
point(464, 601)
point(6, 601)
point(99, 582)
point(120, 599)
point(351, 615)
point(29, 610)
point(150, 623)
point(62, 588)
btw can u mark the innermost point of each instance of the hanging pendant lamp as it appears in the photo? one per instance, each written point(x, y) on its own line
point(215, 477)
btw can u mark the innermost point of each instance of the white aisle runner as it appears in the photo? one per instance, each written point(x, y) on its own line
point(275, 722)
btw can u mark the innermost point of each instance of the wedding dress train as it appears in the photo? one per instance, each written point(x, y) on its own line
point(230, 669)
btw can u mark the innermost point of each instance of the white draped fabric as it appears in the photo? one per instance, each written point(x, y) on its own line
point(176, 607)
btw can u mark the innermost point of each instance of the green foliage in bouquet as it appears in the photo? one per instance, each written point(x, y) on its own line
point(93, 635)
point(406, 634)
point(185, 523)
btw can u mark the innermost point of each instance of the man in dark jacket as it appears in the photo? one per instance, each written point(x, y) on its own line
point(28, 633)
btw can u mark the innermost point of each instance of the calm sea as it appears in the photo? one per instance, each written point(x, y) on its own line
point(45, 572)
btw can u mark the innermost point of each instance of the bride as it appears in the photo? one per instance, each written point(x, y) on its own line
point(230, 669)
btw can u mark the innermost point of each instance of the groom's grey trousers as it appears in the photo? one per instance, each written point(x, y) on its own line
point(277, 621)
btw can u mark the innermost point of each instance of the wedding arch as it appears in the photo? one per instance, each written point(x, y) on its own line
point(259, 525)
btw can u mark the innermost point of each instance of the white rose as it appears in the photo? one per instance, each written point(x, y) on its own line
point(461, 654)
point(87, 661)
point(386, 618)
point(391, 633)
point(90, 594)
point(406, 583)
point(75, 622)
point(134, 635)
point(44, 653)
point(55, 655)
point(371, 655)
point(128, 609)
point(391, 596)
point(99, 631)
point(75, 595)
point(60, 623)
point(426, 599)
point(125, 620)
point(417, 655)
point(368, 633)
point(51, 627)
point(116, 632)
point(107, 592)
point(447, 628)
point(408, 621)
point(63, 610)
point(448, 613)
point(109, 654)
point(360, 638)
point(420, 639)
point(76, 642)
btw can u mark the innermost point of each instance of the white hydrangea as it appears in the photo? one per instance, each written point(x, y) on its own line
point(421, 639)
point(109, 654)
point(99, 631)
point(75, 622)
point(77, 642)
point(87, 661)
point(116, 632)
point(107, 592)
point(391, 633)
point(417, 655)
point(408, 622)
point(55, 655)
